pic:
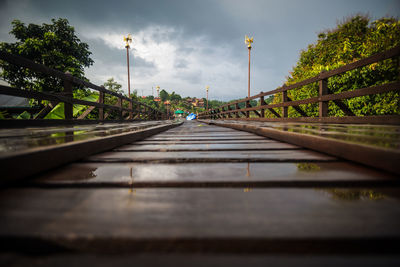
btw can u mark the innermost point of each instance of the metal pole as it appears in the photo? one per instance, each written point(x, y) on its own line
point(129, 82)
point(207, 100)
point(248, 84)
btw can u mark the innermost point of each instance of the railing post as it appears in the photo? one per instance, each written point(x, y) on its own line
point(130, 109)
point(323, 105)
point(138, 110)
point(284, 100)
point(68, 107)
point(262, 102)
point(119, 103)
point(229, 114)
point(247, 106)
point(101, 101)
point(237, 110)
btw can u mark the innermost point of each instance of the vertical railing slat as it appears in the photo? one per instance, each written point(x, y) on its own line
point(323, 105)
point(262, 102)
point(68, 107)
point(284, 100)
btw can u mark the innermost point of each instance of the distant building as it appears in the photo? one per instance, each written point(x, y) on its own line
point(195, 102)
point(201, 103)
point(189, 100)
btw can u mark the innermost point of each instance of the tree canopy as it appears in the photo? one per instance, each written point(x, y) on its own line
point(54, 45)
point(113, 86)
point(353, 39)
point(164, 95)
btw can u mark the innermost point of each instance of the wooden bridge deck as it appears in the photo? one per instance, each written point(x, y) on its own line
point(199, 194)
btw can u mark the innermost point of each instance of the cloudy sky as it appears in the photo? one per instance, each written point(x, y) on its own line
point(184, 45)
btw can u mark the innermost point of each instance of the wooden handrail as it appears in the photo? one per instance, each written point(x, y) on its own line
point(69, 81)
point(324, 95)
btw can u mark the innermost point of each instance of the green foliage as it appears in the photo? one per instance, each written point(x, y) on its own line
point(212, 104)
point(54, 45)
point(3, 114)
point(253, 103)
point(174, 97)
point(164, 95)
point(113, 86)
point(353, 39)
point(58, 111)
point(24, 115)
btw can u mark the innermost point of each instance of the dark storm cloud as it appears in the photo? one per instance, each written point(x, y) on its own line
point(197, 16)
point(102, 51)
point(280, 28)
point(193, 77)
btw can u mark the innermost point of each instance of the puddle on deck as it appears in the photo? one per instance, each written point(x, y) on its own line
point(386, 136)
point(131, 173)
point(26, 138)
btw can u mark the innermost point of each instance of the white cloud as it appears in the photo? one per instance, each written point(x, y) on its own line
point(182, 65)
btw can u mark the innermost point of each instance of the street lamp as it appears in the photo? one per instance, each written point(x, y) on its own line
point(248, 41)
point(207, 87)
point(167, 103)
point(128, 40)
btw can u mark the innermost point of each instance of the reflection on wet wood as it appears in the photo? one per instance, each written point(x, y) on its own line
point(369, 147)
point(193, 189)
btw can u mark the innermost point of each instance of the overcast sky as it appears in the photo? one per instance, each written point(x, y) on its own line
point(184, 45)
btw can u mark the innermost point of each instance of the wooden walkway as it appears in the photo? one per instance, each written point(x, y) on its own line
point(200, 194)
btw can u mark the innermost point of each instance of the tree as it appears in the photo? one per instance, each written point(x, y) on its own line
point(164, 95)
point(113, 86)
point(54, 45)
point(175, 97)
point(353, 39)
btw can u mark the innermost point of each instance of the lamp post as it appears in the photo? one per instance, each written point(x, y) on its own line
point(128, 40)
point(248, 41)
point(207, 87)
point(167, 103)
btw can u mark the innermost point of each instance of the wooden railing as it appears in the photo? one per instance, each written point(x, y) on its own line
point(135, 110)
point(232, 111)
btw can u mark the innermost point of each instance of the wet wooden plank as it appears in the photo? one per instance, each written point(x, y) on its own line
point(205, 138)
point(214, 175)
point(198, 260)
point(207, 147)
point(189, 142)
point(39, 137)
point(205, 135)
point(122, 219)
point(212, 156)
point(378, 156)
point(42, 158)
